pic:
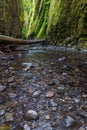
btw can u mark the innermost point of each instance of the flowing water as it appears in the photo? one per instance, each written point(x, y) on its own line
point(49, 80)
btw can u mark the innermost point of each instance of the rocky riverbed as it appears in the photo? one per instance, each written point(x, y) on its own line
point(43, 88)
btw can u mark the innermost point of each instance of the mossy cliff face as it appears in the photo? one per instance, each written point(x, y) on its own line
point(39, 23)
point(11, 17)
point(63, 21)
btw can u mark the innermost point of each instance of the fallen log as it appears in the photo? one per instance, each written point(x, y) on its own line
point(5, 40)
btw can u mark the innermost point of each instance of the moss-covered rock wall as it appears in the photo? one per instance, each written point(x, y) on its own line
point(11, 17)
point(39, 23)
point(62, 21)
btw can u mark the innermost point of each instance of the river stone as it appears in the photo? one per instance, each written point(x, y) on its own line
point(30, 115)
point(4, 127)
point(11, 79)
point(26, 127)
point(2, 112)
point(53, 104)
point(49, 94)
point(36, 93)
point(27, 66)
point(54, 108)
point(76, 100)
point(3, 58)
point(12, 95)
point(51, 82)
point(9, 117)
point(2, 88)
point(70, 122)
point(62, 59)
point(47, 117)
point(81, 128)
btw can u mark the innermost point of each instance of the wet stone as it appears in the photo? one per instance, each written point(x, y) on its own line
point(30, 115)
point(2, 88)
point(12, 95)
point(36, 93)
point(54, 108)
point(81, 128)
point(64, 74)
point(86, 128)
point(27, 127)
point(69, 122)
point(47, 117)
point(11, 79)
point(62, 59)
point(50, 94)
point(49, 71)
point(27, 66)
point(2, 112)
point(3, 58)
point(4, 64)
point(53, 104)
point(51, 82)
point(4, 127)
point(61, 87)
point(9, 117)
point(76, 100)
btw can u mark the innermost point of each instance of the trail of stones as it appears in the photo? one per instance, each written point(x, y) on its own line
point(43, 89)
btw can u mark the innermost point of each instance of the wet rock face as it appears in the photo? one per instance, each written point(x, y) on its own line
point(30, 115)
point(11, 17)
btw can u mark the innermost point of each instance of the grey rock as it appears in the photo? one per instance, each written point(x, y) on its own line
point(9, 117)
point(69, 121)
point(2, 112)
point(12, 95)
point(61, 87)
point(76, 100)
point(36, 93)
point(53, 104)
point(51, 82)
point(62, 59)
point(3, 58)
point(27, 66)
point(11, 79)
point(4, 64)
point(81, 128)
point(30, 115)
point(86, 128)
point(27, 127)
point(2, 88)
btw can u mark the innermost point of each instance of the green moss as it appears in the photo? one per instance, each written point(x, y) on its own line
point(11, 17)
point(62, 21)
point(40, 18)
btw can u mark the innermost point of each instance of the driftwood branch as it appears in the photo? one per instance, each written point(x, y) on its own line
point(5, 40)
